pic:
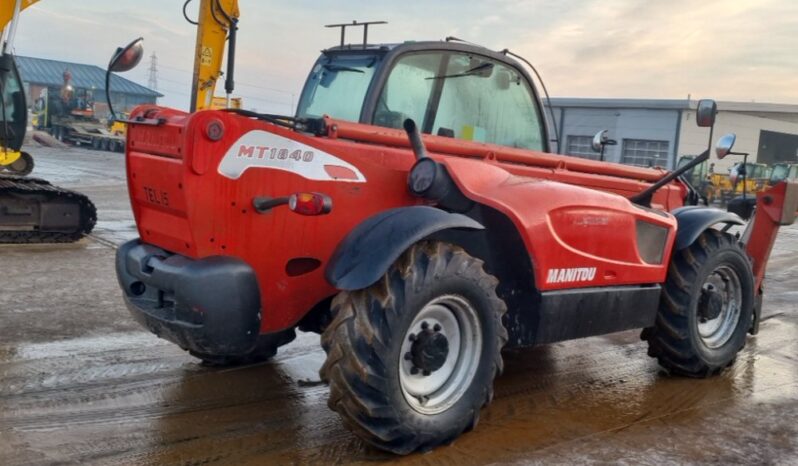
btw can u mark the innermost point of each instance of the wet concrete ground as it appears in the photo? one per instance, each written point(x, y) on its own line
point(81, 384)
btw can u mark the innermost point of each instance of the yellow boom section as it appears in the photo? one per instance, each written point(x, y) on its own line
point(216, 19)
point(7, 8)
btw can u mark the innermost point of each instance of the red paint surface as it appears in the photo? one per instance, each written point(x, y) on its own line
point(567, 210)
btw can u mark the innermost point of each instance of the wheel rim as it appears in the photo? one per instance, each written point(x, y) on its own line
point(442, 378)
point(719, 307)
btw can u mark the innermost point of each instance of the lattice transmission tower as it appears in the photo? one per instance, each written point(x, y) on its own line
point(152, 83)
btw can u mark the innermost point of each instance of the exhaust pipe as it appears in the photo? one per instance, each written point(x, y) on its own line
point(416, 142)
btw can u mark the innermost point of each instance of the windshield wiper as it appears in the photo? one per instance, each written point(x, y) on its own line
point(336, 68)
point(477, 70)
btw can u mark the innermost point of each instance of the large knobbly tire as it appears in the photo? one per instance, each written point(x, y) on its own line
point(713, 274)
point(265, 349)
point(370, 369)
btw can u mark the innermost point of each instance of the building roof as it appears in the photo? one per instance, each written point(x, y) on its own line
point(671, 104)
point(51, 73)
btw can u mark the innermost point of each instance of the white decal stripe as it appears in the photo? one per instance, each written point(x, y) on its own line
point(262, 149)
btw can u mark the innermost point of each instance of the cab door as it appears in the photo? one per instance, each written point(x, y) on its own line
point(13, 111)
point(462, 95)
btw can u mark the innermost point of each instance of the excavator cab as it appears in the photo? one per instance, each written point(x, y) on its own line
point(450, 89)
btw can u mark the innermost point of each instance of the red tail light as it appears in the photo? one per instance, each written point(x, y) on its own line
point(310, 203)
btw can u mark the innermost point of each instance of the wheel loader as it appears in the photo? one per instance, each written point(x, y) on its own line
point(412, 213)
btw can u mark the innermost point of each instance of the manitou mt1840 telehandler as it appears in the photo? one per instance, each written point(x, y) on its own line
point(412, 214)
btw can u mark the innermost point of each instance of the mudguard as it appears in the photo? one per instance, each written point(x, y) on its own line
point(367, 252)
point(693, 220)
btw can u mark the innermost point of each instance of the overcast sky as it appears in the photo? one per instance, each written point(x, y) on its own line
point(740, 50)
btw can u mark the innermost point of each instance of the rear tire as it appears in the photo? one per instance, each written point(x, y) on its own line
point(393, 380)
point(706, 308)
point(265, 349)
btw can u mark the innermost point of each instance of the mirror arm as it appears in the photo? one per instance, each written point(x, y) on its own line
point(108, 93)
point(644, 197)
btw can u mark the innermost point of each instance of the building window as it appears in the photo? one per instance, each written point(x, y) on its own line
point(645, 153)
point(581, 146)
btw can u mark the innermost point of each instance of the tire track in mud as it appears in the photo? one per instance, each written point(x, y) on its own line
point(538, 384)
point(545, 404)
point(74, 411)
point(140, 400)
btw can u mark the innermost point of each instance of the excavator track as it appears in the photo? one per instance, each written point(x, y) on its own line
point(33, 211)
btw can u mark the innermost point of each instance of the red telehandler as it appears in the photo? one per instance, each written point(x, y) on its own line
point(412, 213)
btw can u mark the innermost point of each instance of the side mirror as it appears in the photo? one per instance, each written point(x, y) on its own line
point(124, 59)
point(599, 140)
point(725, 145)
point(705, 113)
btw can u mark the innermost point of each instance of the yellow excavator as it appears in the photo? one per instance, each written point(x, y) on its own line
point(33, 210)
point(13, 111)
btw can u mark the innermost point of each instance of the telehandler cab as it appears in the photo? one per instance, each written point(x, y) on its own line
point(412, 214)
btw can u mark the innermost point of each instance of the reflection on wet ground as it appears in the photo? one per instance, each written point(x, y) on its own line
point(79, 383)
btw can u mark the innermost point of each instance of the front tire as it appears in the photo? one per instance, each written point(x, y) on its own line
point(706, 308)
point(411, 359)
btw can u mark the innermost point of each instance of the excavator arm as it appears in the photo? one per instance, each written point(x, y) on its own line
point(216, 27)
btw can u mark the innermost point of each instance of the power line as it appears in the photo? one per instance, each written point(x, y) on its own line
point(256, 86)
point(246, 98)
point(244, 95)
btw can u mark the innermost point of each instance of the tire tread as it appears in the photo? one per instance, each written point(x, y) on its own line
point(364, 318)
point(669, 339)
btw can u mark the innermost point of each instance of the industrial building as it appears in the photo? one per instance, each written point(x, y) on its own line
point(39, 74)
point(657, 132)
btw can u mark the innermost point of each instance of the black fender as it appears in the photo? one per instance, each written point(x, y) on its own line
point(366, 253)
point(693, 220)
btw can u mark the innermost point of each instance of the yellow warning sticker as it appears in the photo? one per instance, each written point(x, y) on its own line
point(206, 56)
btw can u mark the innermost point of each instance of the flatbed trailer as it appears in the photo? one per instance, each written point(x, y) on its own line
point(90, 133)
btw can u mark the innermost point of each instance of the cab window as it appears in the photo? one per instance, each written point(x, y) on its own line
point(337, 87)
point(462, 96)
point(13, 113)
point(408, 90)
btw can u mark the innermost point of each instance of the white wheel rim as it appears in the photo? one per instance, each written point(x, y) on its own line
point(718, 331)
point(456, 319)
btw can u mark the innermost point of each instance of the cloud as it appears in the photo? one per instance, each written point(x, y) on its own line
point(627, 48)
point(727, 49)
